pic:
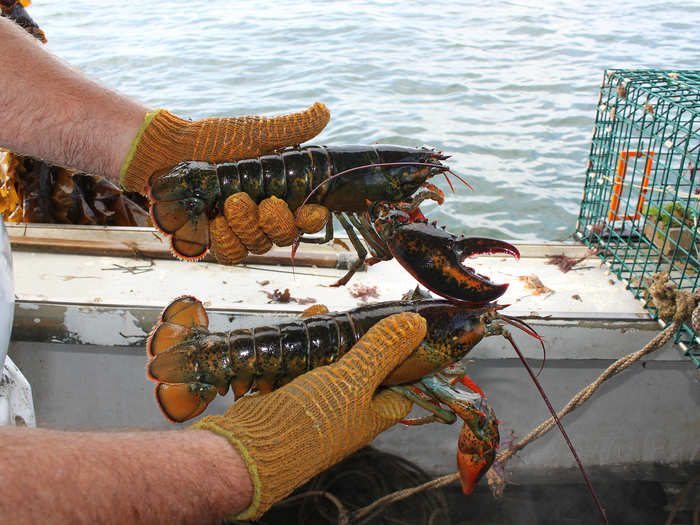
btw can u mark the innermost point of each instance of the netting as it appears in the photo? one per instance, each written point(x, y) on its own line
point(641, 200)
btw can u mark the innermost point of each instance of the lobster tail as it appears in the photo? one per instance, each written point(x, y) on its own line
point(181, 206)
point(186, 311)
point(178, 322)
point(171, 366)
point(182, 402)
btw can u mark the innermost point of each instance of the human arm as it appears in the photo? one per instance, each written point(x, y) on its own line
point(49, 476)
point(54, 112)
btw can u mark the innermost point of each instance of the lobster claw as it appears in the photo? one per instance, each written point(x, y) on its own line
point(476, 285)
point(434, 257)
point(476, 449)
point(479, 437)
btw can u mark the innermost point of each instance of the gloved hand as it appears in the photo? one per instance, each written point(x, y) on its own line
point(291, 434)
point(164, 140)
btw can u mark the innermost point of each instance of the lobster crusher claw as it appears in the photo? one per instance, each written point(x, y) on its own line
point(434, 257)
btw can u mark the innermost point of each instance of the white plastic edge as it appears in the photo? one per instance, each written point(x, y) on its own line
point(16, 402)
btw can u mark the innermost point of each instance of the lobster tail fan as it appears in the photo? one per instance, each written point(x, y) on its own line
point(171, 366)
point(169, 217)
point(191, 241)
point(178, 322)
point(164, 336)
point(186, 311)
point(182, 402)
point(189, 229)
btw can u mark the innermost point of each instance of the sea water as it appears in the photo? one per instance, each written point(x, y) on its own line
point(509, 89)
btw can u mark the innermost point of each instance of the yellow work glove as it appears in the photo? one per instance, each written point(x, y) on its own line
point(165, 140)
point(291, 434)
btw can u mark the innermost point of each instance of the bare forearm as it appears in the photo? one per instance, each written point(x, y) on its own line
point(51, 111)
point(190, 476)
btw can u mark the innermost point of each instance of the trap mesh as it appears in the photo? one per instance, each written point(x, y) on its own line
point(641, 200)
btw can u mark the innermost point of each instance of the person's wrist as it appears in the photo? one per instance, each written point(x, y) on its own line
point(155, 147)
point(261, 497)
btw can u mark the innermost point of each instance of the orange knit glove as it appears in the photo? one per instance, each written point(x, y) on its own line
point(291, 434)
point(164, 140)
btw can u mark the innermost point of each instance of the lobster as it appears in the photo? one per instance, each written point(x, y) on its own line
point(191, 364)
point(371, 190)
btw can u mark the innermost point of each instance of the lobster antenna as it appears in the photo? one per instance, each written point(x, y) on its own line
point(378, 165)
point(459, 179)
point(561, 427)
point(529, 330)
point(449, 182)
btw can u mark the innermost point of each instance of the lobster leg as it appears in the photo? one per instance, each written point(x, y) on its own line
point(430, 192)
point(359, 248)
point(320, 240)
point(420, 395)
point(376, 246)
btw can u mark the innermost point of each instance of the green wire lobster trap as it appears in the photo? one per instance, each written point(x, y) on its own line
point(641, 201)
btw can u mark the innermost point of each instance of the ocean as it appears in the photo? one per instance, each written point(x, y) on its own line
point(508, 89)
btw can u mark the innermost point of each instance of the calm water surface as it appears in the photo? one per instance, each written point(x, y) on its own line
point(508, 90)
